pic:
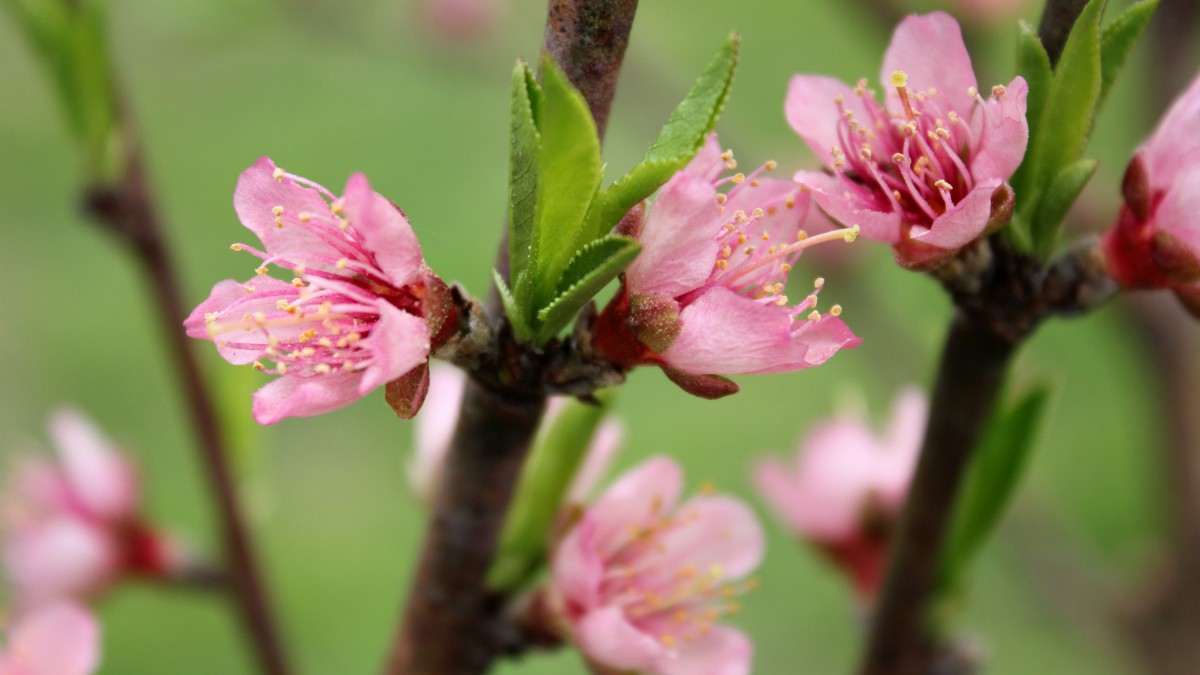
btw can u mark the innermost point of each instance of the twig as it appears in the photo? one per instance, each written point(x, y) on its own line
point(453, 624)
point(127, 209)
point(1058, 17)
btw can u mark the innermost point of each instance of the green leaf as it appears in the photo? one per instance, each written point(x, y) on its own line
point(569, 173)
point(516, 315)
point(1000, 459)
point(1062, 193)
point(1034, 65)
point(684, 134)
point(1066, 118)
point(1117, 40)
point(557, 454)
point(522, 188)
point(589, 271)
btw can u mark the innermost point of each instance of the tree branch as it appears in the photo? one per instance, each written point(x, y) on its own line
point(1058, 18)
point(453, 624)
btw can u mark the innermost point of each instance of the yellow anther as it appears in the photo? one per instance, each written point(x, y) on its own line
point(865, 151)
point(749, 250)
point(811, 300)
point(342, 263)
point(281, 304)
point(281, 368)
point(790, 201)
point(260, 270)
point(249, 287)
point(757, 213)
point(277, 174)
point(972, 92)
point(299, 270)
point(259, 317)
point(836, 310)
point(298, 282)
point(899, 78)
point(819, 282)
point(257, 365)
point(851, 235)
point(942, 132)
point(814, 315)
point(344, 225)
point(721, 199)
point(277, 210)
point(781, 301)
point(304, 216)
point(727, 251)
point(731, 164)
point(336, 207)
point(785, 268)
point(741, 238)
point(668, 640)
point(754, 183)
point(999, 91)
point(722, 265)
point(738, 178)
point(801, 235)
point(325, 308)
point(953, 117)
point(235, 247)
point(943, 185)
point(900, 158)
point(726, 156)
point(839, 99)
point(770, 165)
point(322, 368)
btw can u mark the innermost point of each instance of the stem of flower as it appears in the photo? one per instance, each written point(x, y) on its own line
point(128, 211)
point(454, 624)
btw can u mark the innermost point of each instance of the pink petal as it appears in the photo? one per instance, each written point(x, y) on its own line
point(777, 487)
point(708, 163)
point(715, 532)
point(780, 222)
point(434, 428)
point(230, 301)
point(679, 246)
point(578, 570)
point(101, 479)
point(1177, 214)
point(59, 558)
point(824, 337)
point(385, 232)
point(58, 640)
point(1176, 142)
point(605, 443)
point(812, 110)
point(305, 396)
point(929, 49)
point(1005, 135)
point(257, 195)
point(607, 637)
point(838, 463)
point(964, 223)
point(640, 497)
point(398, 342)
point(830, 194)
point(902, 445)
point(720, 651)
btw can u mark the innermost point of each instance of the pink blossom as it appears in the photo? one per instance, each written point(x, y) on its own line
point(434, 430)
point(363, 309)
point(641, 580)
point(705, 296)
point(1156, 242)
point(460, 20)
point(847, 487)
point(926, 172)
point(989, 11)
point(60, 639)
point(72, 528)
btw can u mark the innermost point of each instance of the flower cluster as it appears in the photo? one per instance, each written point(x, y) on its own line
point(926, 170)
point(362, 310)
point(706, 294)
point(641, 580)
point(1156, 242)
point(61, 639)
point(73, 528)
point(847, 487)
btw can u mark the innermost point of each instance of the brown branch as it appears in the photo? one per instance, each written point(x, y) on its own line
point(453, 624)
point(1058, 18)
point(127, 209)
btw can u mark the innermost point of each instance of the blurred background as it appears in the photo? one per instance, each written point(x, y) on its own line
point(328, 87)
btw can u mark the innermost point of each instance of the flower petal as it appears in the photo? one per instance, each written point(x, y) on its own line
point(1177, 214)
point(708, 163)
point(639, 497)
point(259, 195)
point(62, 639)
point(811, 108)
point(716, 532)
point(830, 194)
point(434, 428)
point(385, 232)
point(1004, 136)
point(720, 651)
point(305, 396)
point(607, 637)
point(776, 486)
point(679, 246)
point(929, 49)
point(102, 480)
point(605, 443)
point(578, 570)
point(837, 466)
point(398, 342)
point(59, 558)
point(964, 223)
point(238, 341)
point(1176, 142)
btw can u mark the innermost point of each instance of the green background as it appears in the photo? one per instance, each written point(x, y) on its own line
point(327, 88)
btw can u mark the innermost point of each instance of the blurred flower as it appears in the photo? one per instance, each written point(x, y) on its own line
point(460, 20)
point(641, 580)
point(363, 309)
point(1156, 242)
point(73, 528)
point(848, 486)
point(705, 296)
point(926, 173)
point(62, 639)
point(989, 11)
point(434, 430)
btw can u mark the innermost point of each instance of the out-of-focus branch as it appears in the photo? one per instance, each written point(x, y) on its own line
point(453, 624)
point(1058, 17)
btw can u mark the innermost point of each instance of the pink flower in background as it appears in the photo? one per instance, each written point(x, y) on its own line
point(434, 429)
point(363, 309)
point(926, 172)
point(61, 639)
point(847, 487)
point(1156, 242)
point(460, 20)
point(989, 11)
point(641, 580)
point(73, 528)
point(705, 296)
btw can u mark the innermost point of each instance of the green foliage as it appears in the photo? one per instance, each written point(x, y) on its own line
point(999, 461)
point(1117, 41)
point(560, 251)
point(69, 38)
point(557, 454)
point(1062, 108)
